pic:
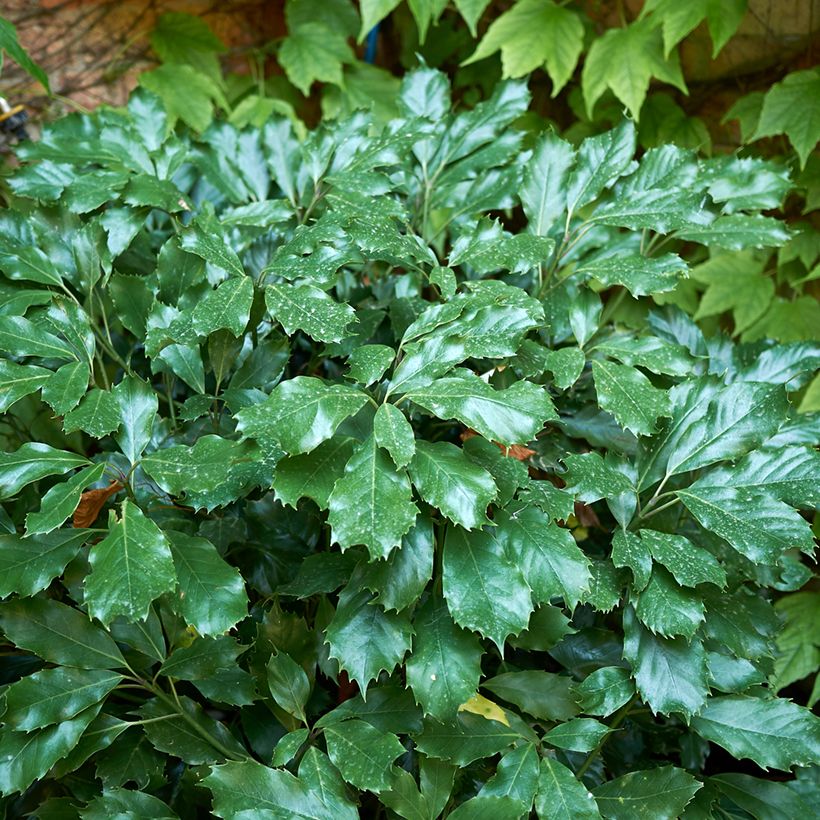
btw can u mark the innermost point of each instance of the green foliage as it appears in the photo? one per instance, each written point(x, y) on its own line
point(11, 46)
point(398, 481)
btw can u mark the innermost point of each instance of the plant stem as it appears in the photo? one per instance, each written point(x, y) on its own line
point(617, 720)
point(166, 378)
point(202, 732)
point(661, 508)
point(151, 720)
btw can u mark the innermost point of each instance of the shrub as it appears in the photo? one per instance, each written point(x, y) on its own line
point(418, 497)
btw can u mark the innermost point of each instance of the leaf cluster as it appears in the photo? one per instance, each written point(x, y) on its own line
point(400, 485)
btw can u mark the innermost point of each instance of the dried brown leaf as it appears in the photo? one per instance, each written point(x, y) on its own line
point(91, 502)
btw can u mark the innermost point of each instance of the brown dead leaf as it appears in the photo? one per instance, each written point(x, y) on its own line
point(91, 502)
point(516, 451)
point(587, 517)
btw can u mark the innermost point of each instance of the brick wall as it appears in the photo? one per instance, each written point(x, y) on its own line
point(92, 50)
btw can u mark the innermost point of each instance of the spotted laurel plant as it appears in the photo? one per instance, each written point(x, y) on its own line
point(375, 472)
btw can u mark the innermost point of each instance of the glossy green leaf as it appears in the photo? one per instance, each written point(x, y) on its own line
point(97, 414)
point(137, 404)
point(547, 554)
point(602, 159)
point(211, 593)
point(389, 708)
point(63, 391)
point(248, 786)
point(628, 550)
point(29, 263)
point(288, 746)
point(605, 690)
point(710, 423)
point(371, 503)
point(516, 777)
point(305, 307)
point(18, 381)
point(28, 756)
point(511, 416)
point(444, 669)
point(689, 565)
point(59, 634)
point(543, 694)
point(773, 733)
point(654, 354)
point(565, 363)
point(127, 803)
point(200, 239)
point(790, 474)
point(755, 524)
point(556, 503)
point(100, 734)
point(547, 626)
point(468, 738)
point(668, 609)
point(368, 363)
point(145, 637)
point(28, 565)
point(212, 473)
point(728, 619)
point(488, 808)
point(578, 734)
point(488, 249)
point(484, 591)
point(323, 778)
point(426, 360)
point(130, 567)
point(664, 792)
point(560, 795)
point(131, 295)
point(393, 432)
point(288, 684)
point(590, 478)
point(605, 586)
point(629, 396)
point(314, 474)
point(202, 658)
point(300, 413)
point(404, 797)
point(445, 478)
point(55, 695)
point(365, 639)
point(31, 462)
point(760, 797)
point(640, 275)
point(400, 579)
point(186, 737)
point(542, 194)
point(738, 231)
point(362, 754)
point(226, 307)
point(670, 673)
point(61, 501)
